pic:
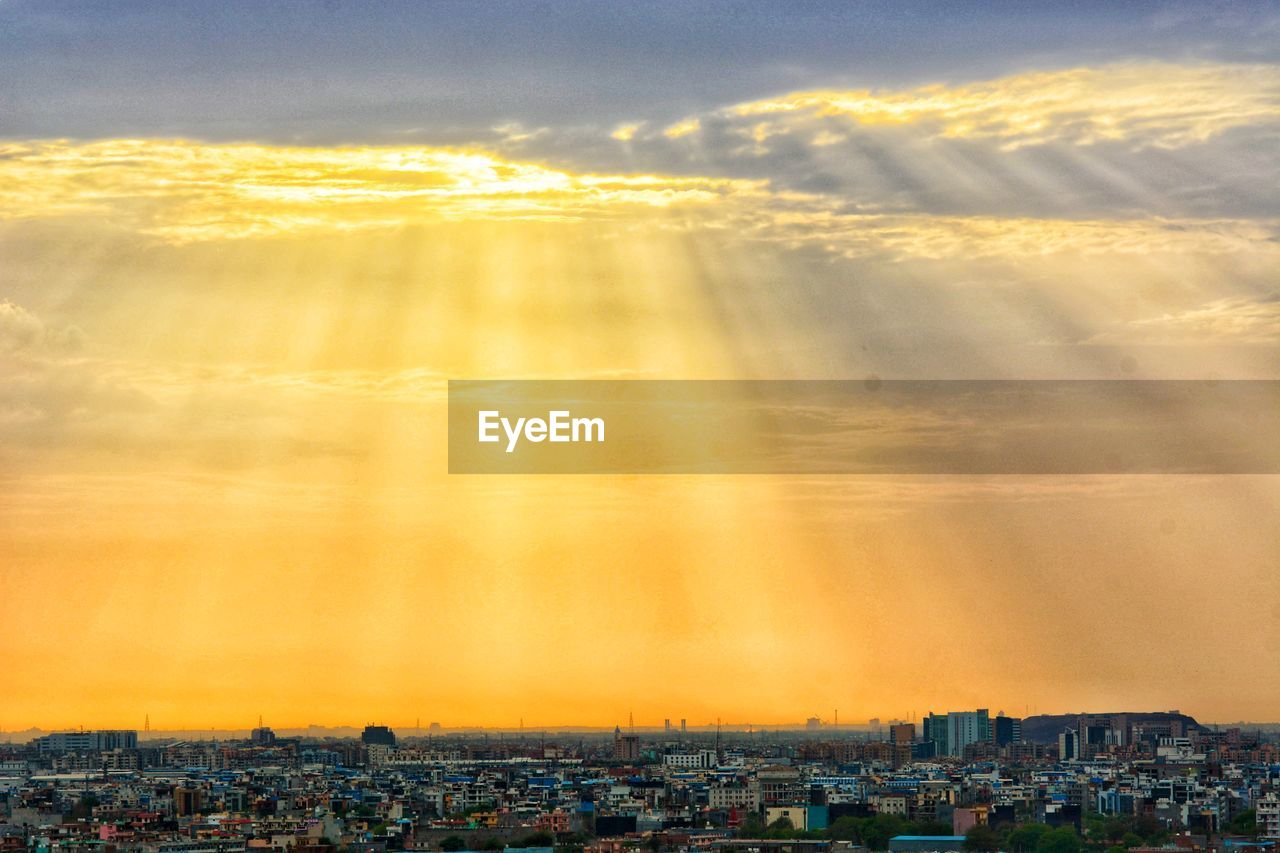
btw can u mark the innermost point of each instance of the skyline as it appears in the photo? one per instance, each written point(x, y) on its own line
point(667, 725)
point(245, 246)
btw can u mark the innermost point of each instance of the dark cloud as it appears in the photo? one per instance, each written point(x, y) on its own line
point(345, 71)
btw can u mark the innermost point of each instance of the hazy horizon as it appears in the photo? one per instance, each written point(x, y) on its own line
point(531, 728)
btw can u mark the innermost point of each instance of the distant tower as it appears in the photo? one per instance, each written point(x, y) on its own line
point(146, 723)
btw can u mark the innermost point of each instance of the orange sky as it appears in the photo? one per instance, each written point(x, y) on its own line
point(222, 461)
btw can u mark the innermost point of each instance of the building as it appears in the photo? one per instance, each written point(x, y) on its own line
point(742, 797)
point(1268, 816)
point(625, 747)
point(781, 785)
point(965, 819)
point(902, 732)
point(966, 727)
point(93, 741)
point(1006, 730)
point(935, 732)
point(187, 801)
point(262, 736)
point(797, 815)
point(703, 759)
point(1069, 745)
point(379, 735)
point(953, 731)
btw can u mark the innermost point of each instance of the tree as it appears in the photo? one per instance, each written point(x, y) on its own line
point(1116, 827)
point(1131, 839)
point(1148, 827)
point(751, 827)
point(1060, 840)
point(492, 844)
point(876, 831)
point(982, 838)
point(538, 839)
point(844, 829)
point(781, 828)
point(452, 843)
point(1025, 838)
point(1245, 823)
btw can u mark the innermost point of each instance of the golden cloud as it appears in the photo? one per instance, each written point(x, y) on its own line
point(181, 192)
point(931, 237)
point(1149, 104)
point(185, 191)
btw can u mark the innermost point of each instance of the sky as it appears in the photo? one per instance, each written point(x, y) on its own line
point(244, 246)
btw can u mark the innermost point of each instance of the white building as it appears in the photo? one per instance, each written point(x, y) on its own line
point(703, 759)
point(734, 797)
point(1268, 816)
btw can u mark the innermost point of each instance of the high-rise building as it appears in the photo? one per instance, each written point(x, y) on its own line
point(1069, 745)
point(1006, 730)
point(966, 727)
point(953, 731)
point(902, 732)
point(935, 732)
point(262, 736)
point(378, 735)
point(625, 747)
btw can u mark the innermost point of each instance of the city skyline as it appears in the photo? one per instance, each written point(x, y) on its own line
point(962, 782)
point(667, 724)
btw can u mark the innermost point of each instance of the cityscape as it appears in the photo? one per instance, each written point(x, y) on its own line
point(955, 781)
point(639, 426)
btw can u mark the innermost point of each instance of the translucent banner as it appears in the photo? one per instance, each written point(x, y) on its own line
point(864, 427)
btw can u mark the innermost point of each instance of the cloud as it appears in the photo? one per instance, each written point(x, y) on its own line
point(19, 328)
point(922, 236)
point(1191, 139)
point(682, 128)
point(1162, 105)
point(23, 332)
point(116, 415)
point(1227, 320)
point(626, 132)
point(182, 192)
